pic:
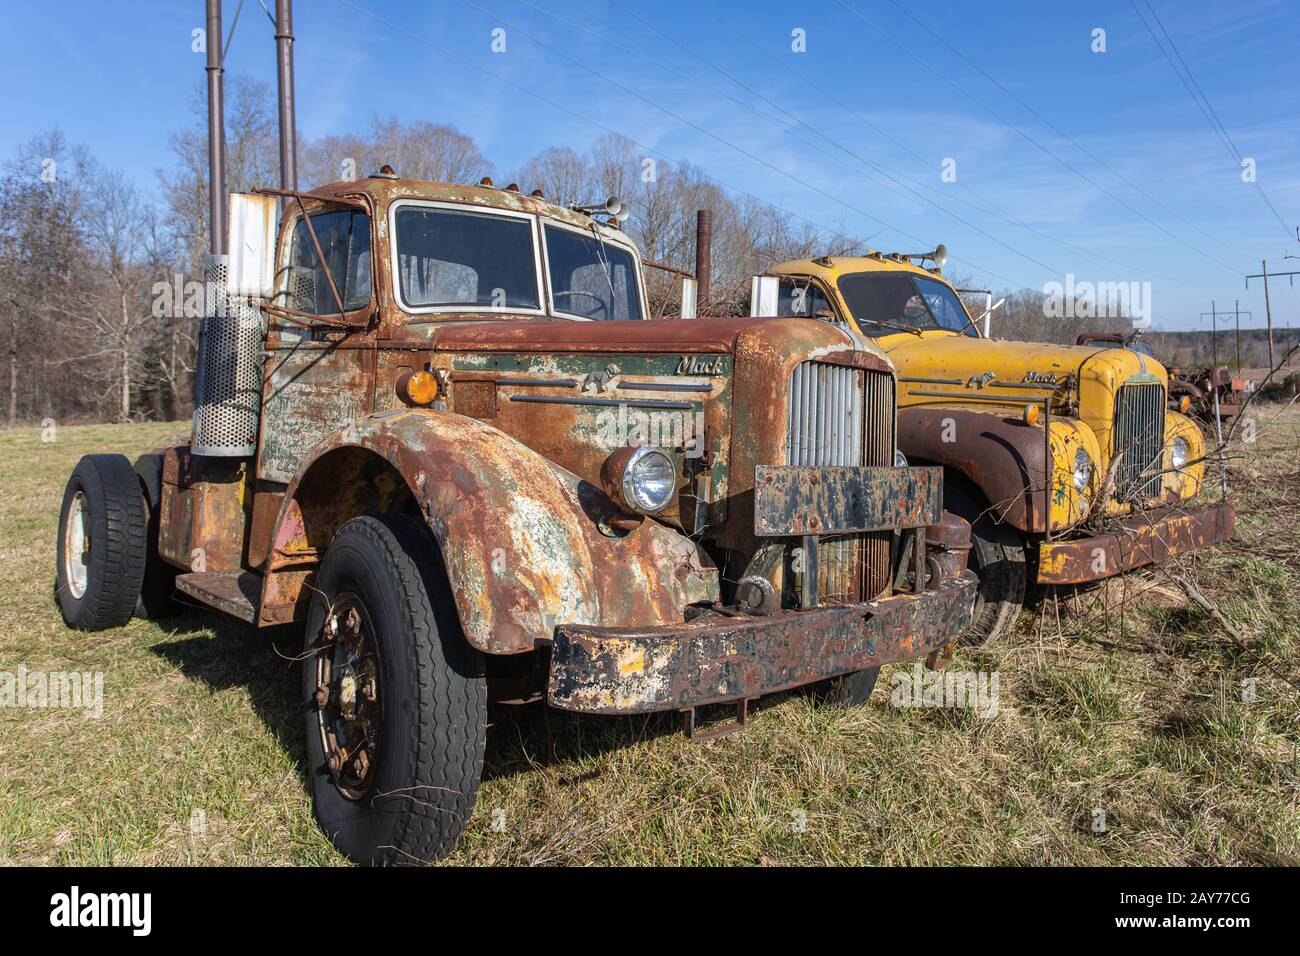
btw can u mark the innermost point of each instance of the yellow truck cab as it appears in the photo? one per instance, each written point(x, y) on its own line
point(1065, 459)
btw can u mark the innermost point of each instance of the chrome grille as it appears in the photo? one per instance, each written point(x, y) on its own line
point(844, 416)
point(1139, 440)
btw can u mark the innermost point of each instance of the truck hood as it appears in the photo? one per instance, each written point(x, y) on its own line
point(994, 366)
point(694, 336)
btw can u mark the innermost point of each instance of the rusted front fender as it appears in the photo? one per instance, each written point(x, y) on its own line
point(525, 543)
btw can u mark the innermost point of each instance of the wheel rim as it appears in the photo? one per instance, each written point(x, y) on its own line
point(347, 696)
point(76, 546)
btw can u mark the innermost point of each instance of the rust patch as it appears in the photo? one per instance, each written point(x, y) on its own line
point(1151, 539)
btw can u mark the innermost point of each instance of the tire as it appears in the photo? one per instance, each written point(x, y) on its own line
point(156, 591)
point(101, 590)
point(412, 802)
point(847, 690)
point(997, 557)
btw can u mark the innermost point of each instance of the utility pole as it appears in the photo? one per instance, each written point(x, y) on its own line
point(284, 77)
point(1214, 340)
point(1268, 311)
point(1236, 317)
point(216, 133)
point(1268, 314)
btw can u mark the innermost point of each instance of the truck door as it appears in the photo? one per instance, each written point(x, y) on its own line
point(318, 379)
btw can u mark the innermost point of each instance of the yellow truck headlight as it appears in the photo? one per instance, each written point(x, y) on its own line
point(1082, 469)
point(1178, 453)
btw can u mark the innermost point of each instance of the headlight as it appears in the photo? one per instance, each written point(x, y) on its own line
point(1178, 453)
point(1082, 469)
point(642, 478)
point(900, 460)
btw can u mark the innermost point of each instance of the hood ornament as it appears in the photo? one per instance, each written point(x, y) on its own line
point(979, 381)
point(599, 380)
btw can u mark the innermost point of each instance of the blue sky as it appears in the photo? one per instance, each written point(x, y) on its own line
point(1171, 209)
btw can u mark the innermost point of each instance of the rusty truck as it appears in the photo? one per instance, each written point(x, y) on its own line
point(1065, 460)
point(430, 432)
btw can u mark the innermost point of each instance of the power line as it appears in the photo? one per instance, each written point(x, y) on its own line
point(709, 133)
point(1211, 116)
point(1058, 131)
point(1030, 139)
point(988, 208)
point(649, 150)
point(879, 169)
point(798, 122)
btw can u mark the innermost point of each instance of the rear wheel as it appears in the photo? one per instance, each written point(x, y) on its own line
point(997, 557)
point(102, 544)
point(159, 584)
point(396, 699)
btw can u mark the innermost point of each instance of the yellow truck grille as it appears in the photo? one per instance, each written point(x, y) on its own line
point(844, 416)
point(1139, 440)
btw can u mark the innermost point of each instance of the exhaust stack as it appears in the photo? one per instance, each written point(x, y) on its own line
point(228, 379)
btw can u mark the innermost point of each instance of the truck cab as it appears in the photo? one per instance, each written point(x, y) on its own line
point(435, 432)
point(1065, 460)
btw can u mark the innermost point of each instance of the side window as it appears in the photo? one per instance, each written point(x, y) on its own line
point(344, 238)
point(802, 297)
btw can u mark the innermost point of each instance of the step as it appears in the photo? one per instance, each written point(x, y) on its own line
point(235, 592)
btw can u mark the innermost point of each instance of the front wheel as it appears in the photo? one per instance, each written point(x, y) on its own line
point(395, 698)
point(997, 557)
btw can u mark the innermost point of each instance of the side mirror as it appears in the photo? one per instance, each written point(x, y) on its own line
point(690, 290)
point(764, 293)
point(252, 245)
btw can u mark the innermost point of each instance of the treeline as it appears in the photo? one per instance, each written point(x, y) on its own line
point(82, 247)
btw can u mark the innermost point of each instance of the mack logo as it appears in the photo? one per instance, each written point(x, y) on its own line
point(694, 365)
point(1039, 378)
point(979, 381)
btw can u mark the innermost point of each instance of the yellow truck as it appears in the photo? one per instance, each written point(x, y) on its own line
point(1066, 460)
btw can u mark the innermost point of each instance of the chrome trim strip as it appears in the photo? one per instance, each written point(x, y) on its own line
point(977, 397)
point(540, 382)
point(629, 402)
point(666, 386)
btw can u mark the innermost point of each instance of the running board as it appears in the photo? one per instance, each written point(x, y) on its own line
point(235, 592)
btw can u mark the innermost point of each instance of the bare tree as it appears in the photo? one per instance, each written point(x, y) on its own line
point(416, 150)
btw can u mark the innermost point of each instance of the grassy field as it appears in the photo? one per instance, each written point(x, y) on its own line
point(1126, 700)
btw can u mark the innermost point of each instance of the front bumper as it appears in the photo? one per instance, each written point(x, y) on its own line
point(715, 659)
point(1149, 539)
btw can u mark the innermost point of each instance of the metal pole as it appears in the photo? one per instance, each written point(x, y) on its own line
point(1236, 314)
point(703, 257)
point(216, 134)
point(284, 76)
point(1268, 315)
point(988, 311)
point(1214, 341)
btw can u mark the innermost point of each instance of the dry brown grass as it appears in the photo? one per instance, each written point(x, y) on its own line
point(1132, 705)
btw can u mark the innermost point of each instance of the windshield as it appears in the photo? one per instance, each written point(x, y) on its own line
point(884, 299)
point(450, 258)
point(590, 279)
